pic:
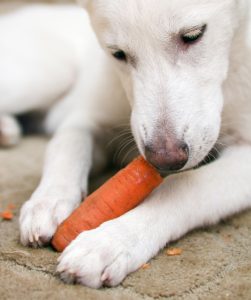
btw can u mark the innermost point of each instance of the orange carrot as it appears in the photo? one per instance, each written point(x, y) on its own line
point(117, 196)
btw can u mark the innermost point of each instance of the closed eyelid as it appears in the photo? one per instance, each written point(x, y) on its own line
point(193, 31)
point(112, 47)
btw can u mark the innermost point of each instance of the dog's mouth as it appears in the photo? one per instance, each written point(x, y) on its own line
point(164, 173)
point(209, 158)
point(213, 155)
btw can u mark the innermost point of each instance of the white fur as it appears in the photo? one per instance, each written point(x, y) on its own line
point(201, 94)
point(10, 132)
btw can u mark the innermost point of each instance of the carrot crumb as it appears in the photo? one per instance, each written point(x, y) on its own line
point(7, 215)
point(174, 252)
point(146, 266)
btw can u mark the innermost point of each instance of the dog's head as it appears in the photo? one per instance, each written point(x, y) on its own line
point(173, 57)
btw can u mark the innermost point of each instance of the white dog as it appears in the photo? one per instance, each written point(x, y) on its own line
point(183, 66)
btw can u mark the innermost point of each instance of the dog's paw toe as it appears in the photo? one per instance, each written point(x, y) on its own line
point(36, 225)
point(94, 259)
point(115, 273)
point(39, 220)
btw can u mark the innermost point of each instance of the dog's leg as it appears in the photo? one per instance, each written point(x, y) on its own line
point(104, 256)
point(63, 184)
point(10, 131)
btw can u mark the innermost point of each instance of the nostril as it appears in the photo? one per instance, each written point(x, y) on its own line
point(184, 146)
point(185, 149)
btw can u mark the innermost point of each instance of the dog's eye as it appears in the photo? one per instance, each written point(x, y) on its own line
point(194, 35)
point(120, 55)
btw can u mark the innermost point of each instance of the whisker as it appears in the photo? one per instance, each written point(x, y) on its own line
point(212, 156)
point(117, 137)
point(123, 147)
point(128, 153)
point(221, 144)
point(217, 150)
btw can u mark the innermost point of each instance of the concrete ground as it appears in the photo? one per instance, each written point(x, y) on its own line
point(215, 263)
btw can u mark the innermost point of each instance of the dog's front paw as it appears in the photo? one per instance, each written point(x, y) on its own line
point(40, 217)
point(97, 258)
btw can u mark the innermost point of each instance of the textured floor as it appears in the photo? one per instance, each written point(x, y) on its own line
point(215, 264)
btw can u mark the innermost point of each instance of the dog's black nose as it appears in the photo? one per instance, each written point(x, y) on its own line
point(169, 156)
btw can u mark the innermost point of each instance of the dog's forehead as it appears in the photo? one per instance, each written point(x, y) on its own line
point(148, 13)
point(128, 8)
